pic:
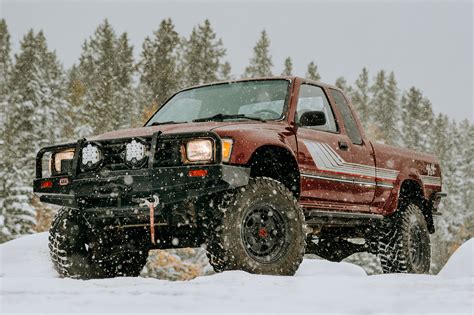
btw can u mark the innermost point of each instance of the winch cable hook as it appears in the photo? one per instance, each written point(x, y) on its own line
point(152, 205)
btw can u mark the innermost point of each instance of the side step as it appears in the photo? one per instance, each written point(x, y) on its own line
point(334, 218)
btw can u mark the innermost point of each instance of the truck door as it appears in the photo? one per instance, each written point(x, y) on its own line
point(321, 151)
point(362, 163)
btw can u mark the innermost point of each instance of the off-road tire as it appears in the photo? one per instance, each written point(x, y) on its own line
point(69, 248)
point(404, 242)
point(74, 251)
point(265, 203)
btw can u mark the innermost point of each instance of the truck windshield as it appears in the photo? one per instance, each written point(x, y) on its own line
point(257, 100)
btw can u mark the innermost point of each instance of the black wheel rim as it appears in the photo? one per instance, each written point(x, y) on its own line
point(264, 234)
point(416, 246)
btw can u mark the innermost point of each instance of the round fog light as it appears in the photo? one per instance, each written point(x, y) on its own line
point(135, 153)
point(91, 156)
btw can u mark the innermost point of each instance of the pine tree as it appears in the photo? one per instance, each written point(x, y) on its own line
point(443, 143)
point(312, 72)
point(417, 119)
point(5, 71)
point(386, 114)
point(225, 71)
point(376, 106)
point(159, 67)
point(36, 97)
point(467, 182)
point(125, 110)
point(77, 127)
point(5, 58)
point(465, 168)
point(261, 62)
point(203, 54)
point(361, 98)
point(105, 70)
point(288, 70)
point(469, 167)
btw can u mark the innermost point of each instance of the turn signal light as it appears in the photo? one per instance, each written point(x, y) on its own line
point(226, 149)
point(46, 184)
point(197, 173)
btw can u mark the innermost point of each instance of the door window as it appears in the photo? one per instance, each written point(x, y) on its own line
point(349, 121)
point(312, 98)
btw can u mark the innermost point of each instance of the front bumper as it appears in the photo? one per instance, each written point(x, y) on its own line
point(124, 189)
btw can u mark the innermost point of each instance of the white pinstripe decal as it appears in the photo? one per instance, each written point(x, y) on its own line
point(431, 180)
point(327, 159)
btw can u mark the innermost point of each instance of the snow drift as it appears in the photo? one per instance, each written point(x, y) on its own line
point(29, 284)
point(461, 263)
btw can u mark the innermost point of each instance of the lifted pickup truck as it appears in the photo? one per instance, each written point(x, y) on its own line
point(258, 172)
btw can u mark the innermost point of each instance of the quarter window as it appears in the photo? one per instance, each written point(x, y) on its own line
point(349, 121)
point(312, 98)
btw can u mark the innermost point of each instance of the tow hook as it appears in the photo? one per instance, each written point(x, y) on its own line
point(151, 205)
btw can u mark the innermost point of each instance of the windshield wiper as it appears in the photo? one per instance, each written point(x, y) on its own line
point(226, 116)
point(157, 123)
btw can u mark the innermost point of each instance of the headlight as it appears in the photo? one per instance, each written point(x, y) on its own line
point(58, 157)
point(199, 150)
point(226, 149)
point(135, 153)
point(91, 155)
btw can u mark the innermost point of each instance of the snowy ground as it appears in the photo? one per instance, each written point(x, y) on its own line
point(29, 284)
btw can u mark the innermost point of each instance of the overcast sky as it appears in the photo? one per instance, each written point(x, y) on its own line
point(428, 44)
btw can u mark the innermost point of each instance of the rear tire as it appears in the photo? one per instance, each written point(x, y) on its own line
point(404, 242)
point(258, 228)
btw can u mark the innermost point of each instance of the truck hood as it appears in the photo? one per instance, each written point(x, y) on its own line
point(180, 128)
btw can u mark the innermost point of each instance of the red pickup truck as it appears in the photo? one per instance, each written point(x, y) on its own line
point(259, 172)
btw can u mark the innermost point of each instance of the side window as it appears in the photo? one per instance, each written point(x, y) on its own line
point(312, 98)
point(347, 117)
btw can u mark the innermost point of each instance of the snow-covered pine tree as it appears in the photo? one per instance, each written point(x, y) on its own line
point(5, 58)
point(467, 167)
point(376, 105)
point(445, 142)
point(105, 70)
point(417, 118)
point(466, 190)
point(460, 177)
point(361, 97)
point(126, 110)
point(225, 71)
point(202, 55)
point(261, 62)
point(36, 97)
point(77, 126)
point(312, 72)
point(5, 71)
point(288, 70)
point(387, 113)
point(159, 67)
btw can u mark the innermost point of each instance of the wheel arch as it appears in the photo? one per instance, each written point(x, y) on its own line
point(278, 163)
point(412, 190)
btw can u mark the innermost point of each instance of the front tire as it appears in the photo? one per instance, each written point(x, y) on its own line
point(258, 228)
point(78, 253)
point(69, 247)
point(404, 242)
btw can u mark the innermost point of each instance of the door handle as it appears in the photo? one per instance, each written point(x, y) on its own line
point(343, 145)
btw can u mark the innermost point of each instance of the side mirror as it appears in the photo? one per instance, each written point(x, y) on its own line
point(313, 118)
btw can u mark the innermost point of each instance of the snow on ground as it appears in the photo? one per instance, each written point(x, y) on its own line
point(29, 284)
